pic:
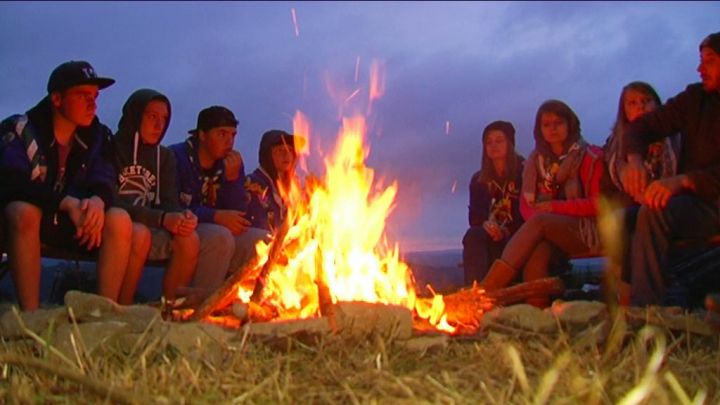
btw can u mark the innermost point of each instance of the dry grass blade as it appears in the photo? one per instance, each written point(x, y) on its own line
point(101, 388)
point(648, 382)
point(257, 389)
point(550, 378)
point(40, 340)
point(518, 368)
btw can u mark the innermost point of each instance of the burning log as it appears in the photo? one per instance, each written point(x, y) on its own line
point(549, 286)
point(226, 294)
point(466, 307)
point(246, 275)
point(252, 311)
point(273, 254)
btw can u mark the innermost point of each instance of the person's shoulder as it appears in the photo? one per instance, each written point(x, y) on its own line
point(12, 128)
point(11, 123)
point(695, 88)
point(166, 152)
point(475, 176)
point(179, 148)
point(694, 91)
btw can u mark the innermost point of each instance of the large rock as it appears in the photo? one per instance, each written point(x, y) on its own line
point(363, 318)
point(87, 307)
point(288, 327)
point(189, 337)
point(424, 343)
point(137, 317)
point(92, 308)
point(521, 317)
point(579, 314)
point(87, 337)
point(36, 321)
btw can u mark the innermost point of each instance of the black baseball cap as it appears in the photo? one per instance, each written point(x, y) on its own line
point(75, 73)
point(213, 117)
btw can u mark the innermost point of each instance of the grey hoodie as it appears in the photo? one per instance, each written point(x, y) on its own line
point(147, 183)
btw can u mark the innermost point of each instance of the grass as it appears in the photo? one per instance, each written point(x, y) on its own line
point(630, 367)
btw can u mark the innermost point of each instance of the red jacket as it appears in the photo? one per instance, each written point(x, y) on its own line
point(591, 171)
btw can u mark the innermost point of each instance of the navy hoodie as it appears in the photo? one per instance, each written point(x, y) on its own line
point(29, 161)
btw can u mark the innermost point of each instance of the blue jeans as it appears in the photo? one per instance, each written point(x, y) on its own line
point(684, 217)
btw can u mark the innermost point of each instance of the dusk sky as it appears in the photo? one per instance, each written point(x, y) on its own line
point(463, 63)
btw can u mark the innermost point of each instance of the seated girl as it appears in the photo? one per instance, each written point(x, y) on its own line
point(494, 211)
point(636, 99)
point(559, 200)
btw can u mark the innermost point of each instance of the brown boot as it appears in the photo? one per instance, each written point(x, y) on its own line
point(499, 276)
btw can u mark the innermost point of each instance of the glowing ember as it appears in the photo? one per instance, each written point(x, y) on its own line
point(454, 187)
point(357, 68)
point(447, 127)
point(377, 83)
point(295, 23)
point(352, 95)
point(336, 241)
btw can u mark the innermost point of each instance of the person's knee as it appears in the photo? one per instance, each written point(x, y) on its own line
point(645, 217)
point(118, 223)
point(23, 217)
point(141, 238)
point(187, 246)
point(474, 236)
point(216, 237)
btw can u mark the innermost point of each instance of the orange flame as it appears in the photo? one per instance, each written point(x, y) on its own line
point(336, 240)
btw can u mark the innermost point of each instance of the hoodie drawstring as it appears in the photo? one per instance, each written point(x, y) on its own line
point(135, 148)
point(157, 170)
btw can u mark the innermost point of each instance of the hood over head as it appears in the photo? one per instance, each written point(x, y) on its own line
point(128, 135)
point(134, 108)
point(272, 138)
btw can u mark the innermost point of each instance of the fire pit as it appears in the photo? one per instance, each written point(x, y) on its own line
point(330, 258)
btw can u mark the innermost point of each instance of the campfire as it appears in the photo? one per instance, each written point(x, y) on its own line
point(331, 249)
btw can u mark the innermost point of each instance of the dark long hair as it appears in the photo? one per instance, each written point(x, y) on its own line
point(563, 111)
point(621, 121)
point(512, 160)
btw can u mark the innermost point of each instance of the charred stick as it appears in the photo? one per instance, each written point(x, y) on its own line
point(549, 286)
point(275, 250)
point(223, 296)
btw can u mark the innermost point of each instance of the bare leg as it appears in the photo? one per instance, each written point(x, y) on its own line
point(182, 264)
point(23, 224)
point(114, 252)
point(141, 241)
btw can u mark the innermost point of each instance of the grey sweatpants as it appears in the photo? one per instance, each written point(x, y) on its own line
point(221, 253)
